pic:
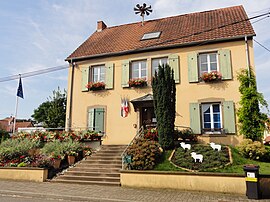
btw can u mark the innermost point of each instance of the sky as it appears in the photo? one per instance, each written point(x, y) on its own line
point(38, 34)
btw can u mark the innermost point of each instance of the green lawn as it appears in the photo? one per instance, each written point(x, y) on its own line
point(236, 167)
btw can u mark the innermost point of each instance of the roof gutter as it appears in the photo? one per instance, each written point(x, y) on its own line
point(139, 50)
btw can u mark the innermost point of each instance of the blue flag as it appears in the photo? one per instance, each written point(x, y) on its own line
point(20, 89)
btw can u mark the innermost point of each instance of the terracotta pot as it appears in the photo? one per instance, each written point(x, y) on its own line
point(56, 163)
point(71, 160)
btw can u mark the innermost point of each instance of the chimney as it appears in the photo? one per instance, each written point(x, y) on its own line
point(101, 26)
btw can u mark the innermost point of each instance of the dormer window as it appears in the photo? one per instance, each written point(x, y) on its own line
point(151, 35)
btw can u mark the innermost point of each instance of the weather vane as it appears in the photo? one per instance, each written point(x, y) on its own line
point(142, 10)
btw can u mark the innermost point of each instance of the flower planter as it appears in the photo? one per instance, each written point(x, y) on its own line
point(96, 86)
point(56, 163)
point(213, 76)
point(137, 83)
point(71, 160)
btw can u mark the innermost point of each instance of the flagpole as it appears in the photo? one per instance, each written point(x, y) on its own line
point(16, 111)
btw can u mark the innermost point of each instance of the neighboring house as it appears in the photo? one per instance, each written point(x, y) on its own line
point(192, 44)
point(7, 124)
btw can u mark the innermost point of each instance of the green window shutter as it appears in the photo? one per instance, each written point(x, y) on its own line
point(174, 64)
point(193, 68)
point(225, 65)
point(109, 75)
point(195, 118)
point(99, 120)
point(85, 78)
point(125, 73)
point(228, 117)
point(91, 114)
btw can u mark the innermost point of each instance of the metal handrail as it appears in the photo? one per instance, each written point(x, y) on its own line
point(138, 134)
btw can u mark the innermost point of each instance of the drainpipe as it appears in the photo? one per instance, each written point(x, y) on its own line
point(69, 120)
point(247, 56)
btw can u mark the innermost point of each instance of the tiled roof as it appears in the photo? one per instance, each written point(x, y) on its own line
point(224, 23)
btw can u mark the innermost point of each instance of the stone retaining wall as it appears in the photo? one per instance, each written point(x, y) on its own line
point(27, 174)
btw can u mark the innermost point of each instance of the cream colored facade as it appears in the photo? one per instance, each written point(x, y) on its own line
point(119, 130)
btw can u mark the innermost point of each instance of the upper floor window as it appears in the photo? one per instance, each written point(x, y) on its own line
point(211, 117)
point(98, 73)
point(138, 69)
point(208, 62)
point(156, 62)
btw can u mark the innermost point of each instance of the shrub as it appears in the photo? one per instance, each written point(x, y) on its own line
point(185, 135)
point(252, 150)
point(145, 154)
point(71, 147)
point(151, 134)
point(14, 148)
point(53, 148)
point(4, 135)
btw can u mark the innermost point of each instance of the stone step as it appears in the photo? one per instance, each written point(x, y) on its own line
point(100, 174)
point(100, 161)
point(97, 170)
point(104, 158)
point(107, 166)
point(87, 182)
point(110, 152)
point(89, 178)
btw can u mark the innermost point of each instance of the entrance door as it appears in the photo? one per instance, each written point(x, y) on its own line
point(148, 118)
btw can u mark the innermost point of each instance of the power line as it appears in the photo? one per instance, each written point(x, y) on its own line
point(34, 73)
point(262, 45)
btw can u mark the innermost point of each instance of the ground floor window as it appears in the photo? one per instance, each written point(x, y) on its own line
point(211, 117)
point(96, 119)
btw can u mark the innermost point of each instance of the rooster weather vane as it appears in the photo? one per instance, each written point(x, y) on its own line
point(142, 10)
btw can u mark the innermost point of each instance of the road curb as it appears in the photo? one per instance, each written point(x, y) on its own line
point(56, 196)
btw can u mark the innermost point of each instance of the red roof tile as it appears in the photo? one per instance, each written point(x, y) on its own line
point(224, 23)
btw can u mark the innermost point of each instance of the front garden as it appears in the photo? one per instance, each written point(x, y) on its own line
point(52, 150)
point(147, 154)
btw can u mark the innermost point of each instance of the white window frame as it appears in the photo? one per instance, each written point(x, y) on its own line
point(159, 63)
point(208, 62)
point(98, 67)
point(140, 69)
point(212, 117)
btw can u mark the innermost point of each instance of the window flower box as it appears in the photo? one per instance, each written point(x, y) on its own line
point(95, 86)
point(137, 82)
point(211, 76)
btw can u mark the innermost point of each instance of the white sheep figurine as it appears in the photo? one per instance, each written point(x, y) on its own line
point(185, 146)
point(197, 156)
point(215, 146)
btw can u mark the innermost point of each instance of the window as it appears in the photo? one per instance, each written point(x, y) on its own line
point(208, 62)
point(151, 35)
point(138, 69)
point(211, 117)
point(96, 117)
point(98, 73)
point(156, 62)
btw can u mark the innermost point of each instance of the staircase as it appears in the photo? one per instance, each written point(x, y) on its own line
point(101, 168)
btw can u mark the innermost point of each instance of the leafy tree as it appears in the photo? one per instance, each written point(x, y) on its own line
point(52, 113)
point(163, 85)
point(251, 119)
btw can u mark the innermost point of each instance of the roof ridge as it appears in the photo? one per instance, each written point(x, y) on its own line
point(157, 19)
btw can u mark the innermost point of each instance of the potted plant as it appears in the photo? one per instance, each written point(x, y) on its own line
point(56, 159)
point(87, 151)
point(71, 156)
point(211, 76)
point(137, 82)
point(94, 86)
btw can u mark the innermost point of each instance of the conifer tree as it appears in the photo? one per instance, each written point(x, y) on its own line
point(164, 92)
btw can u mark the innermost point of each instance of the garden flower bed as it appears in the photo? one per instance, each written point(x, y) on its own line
point(51, 151)
point(211, 158)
